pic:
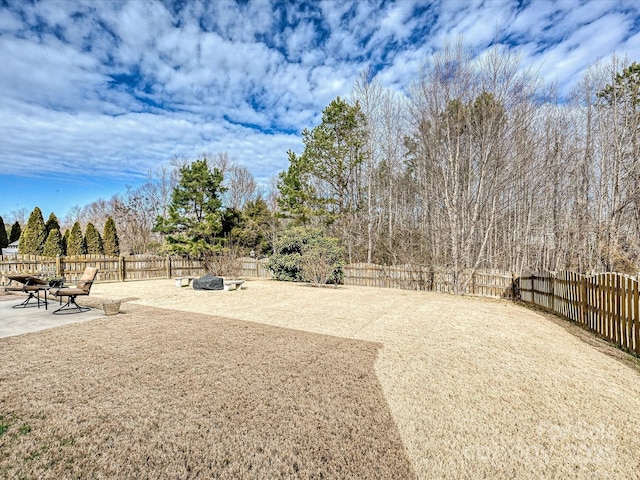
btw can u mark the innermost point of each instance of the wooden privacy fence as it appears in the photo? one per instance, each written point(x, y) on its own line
point(110, 269)
point(409, 277)
point(607, 303)
point(489, 283)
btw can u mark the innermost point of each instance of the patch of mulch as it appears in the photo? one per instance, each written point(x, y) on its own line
point(165, 394)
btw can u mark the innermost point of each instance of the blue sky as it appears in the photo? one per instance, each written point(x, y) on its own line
point(95, 94)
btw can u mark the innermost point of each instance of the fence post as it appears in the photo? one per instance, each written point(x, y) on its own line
point(584, 303)
point(636, 306)
point(533, 289)
point(58, 267)
point(617, 329)
point(168, 266)
point(628, 315)
point(121, 269)
point(552, 278)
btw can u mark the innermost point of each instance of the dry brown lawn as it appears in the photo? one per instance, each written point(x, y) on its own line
point(288, 381)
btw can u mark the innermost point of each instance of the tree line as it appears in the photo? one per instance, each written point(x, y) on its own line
point(45, 238)
point(476, 166)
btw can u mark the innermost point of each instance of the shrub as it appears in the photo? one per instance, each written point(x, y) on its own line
point(223, 263)
point(307, 255)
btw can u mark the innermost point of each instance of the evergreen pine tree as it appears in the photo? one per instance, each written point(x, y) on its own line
point(110, 239)
point(65, 241)
point(53, 245)
point(4, 240)
point(52, 223)
point(195, 218)
point(16, 232)
point(34, 235)
point(93, 240)
point(75, 243)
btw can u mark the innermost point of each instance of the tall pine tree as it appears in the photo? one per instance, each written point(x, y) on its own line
point(52, 224)
point(65, 240)
point(76, 244)
point(53, 246)
point(297, 197)
point(93, 240)
point(16, 232)
point(110, 239)
point(34, 236)
point(195, 220)
point(323, 181)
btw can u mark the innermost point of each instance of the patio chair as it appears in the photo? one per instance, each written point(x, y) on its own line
point(33, 292)
point(82, 288)
point(29, 285)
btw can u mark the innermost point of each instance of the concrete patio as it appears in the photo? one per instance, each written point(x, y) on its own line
point(17, 321)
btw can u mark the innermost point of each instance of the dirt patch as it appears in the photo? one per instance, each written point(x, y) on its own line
point(160, 394)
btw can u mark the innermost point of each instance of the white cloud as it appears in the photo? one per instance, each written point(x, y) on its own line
point(537, 20)
point(139, 141)
point(52, 72)
point(404, 70)
point(478, 23)
point(98, 85)
point(298, 40)
point(567, 59)
point(397, 21)
point(630, 46)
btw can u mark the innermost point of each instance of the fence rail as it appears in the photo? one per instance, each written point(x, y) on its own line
point(607, 303)
point(408, 277)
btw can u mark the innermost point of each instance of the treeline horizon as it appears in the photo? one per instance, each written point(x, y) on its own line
point(477, 167)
